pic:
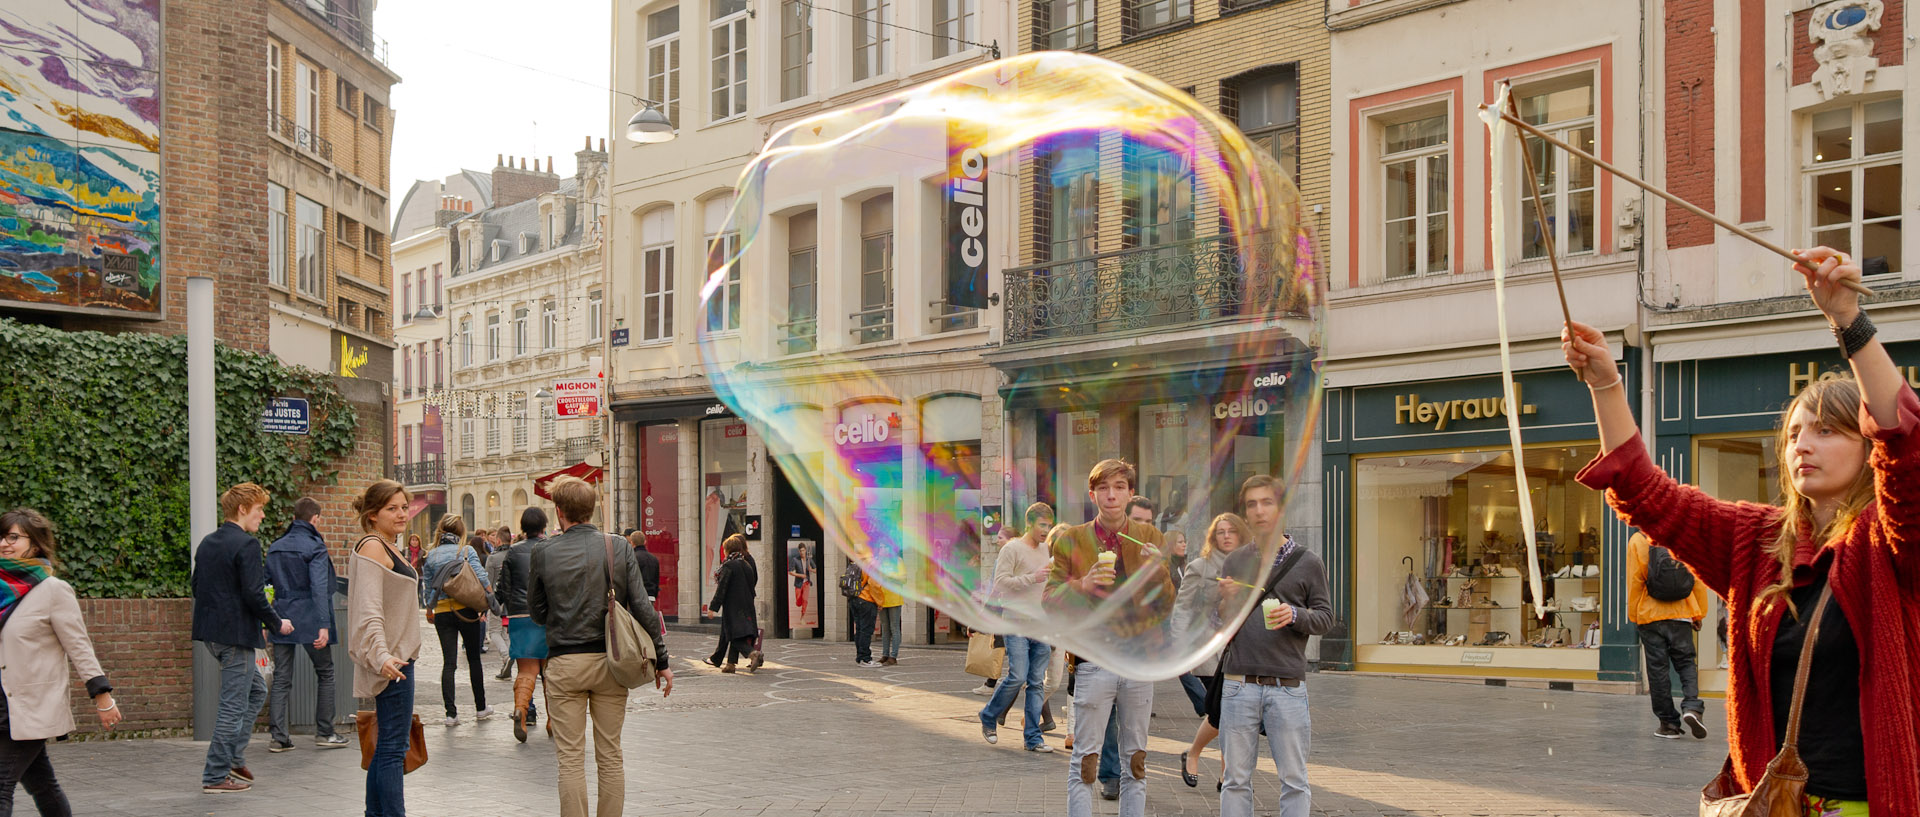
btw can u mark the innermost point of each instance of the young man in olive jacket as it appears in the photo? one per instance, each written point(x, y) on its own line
point(229, 608)
point(301, 573)
point(568, 596)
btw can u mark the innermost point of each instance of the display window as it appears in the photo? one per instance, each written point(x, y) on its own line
point(723, 496)
point(1737, 468)
point(868, 436)
point(1077, 433)
point(1440, 559)
point(660, 508)
point(950, 499)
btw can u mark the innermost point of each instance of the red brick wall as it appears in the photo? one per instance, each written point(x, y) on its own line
point(145, 647)
point(214, 169)
point(512, 185)
point(1886, 45)
point(1689, 52)
point(363, 466)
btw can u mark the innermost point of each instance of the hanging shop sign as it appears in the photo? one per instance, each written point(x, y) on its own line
point(576, 398)
point(966, 215)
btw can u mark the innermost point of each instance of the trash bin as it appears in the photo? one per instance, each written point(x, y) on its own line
point(306, 687)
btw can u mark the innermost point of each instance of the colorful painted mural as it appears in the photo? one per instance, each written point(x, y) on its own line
point(80, 154)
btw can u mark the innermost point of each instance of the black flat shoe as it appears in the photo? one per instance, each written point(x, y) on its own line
point(1192, 780)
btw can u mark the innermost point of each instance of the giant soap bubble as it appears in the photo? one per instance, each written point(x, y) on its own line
point(1174, 317)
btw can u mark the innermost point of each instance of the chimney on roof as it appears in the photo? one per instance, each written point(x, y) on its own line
point(515, 182)
point(603, 144)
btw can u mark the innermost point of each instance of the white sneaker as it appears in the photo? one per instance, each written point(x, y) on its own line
point(983, 689)
point(1041, 749)
point(871, 664)
point(450, 721)
point(483, 714)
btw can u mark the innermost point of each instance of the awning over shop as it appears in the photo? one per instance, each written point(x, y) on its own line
point(579, 469)
point(674, 409)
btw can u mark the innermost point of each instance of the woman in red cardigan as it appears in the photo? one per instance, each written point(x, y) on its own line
point(1850, 483)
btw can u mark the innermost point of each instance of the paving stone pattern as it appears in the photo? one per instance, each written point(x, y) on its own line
point(813, 734)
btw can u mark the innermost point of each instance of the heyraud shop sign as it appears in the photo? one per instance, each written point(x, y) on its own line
point(1467, 405)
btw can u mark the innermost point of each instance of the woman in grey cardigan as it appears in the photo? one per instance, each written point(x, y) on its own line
point(40, 632)
point(383, 639)
point(1199, 598)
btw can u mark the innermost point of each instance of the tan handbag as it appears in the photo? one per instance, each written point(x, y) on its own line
point(983, 658)
point(631, 659)
point(465, 588)
point(366, 721)
point(1781, 791)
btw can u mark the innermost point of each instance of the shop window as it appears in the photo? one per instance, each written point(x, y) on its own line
point(729, 58)
point(660, 508)
point(874, 322)
point(723, 495)
point(1414, 157)
point(663, 61)
point(802, 330)
point(867, 436)
point(1450, 523)
point(1853, 178)
point(1563, 107)
point(796, 49)
point(1077, 436)
point(1169, 434)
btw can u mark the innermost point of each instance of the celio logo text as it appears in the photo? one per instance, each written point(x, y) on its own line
point(1248, 406)
point(970, 193)
point(864, 430)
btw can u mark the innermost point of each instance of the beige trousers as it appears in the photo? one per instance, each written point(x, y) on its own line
point(578, 685)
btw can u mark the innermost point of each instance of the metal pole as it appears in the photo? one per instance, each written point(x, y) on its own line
point(202, 478)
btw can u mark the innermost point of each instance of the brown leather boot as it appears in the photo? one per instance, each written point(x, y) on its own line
point(728, 668)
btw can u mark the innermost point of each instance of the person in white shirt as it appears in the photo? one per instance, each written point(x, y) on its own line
point(1019, 579)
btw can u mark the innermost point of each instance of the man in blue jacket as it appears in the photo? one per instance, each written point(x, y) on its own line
point(302, 577)
point(229, 608)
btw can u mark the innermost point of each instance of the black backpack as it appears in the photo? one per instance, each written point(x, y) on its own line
point(1667, 578)
point(850, 581)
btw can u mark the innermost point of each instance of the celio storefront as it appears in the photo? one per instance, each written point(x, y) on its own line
point(1423, 495)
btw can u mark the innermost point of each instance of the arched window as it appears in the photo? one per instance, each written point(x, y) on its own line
point(466, 510)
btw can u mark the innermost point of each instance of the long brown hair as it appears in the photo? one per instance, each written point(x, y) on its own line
point(1834, 403)
point(375, 499)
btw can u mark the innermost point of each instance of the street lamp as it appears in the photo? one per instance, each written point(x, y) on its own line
point(649, 125)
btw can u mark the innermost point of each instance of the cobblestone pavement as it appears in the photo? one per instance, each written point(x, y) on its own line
point(814, 734)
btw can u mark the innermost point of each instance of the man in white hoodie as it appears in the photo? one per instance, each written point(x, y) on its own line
point(1019, 579)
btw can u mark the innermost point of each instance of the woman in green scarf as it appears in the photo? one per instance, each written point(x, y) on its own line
point(40, 632)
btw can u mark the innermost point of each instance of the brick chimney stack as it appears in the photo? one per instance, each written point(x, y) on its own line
point(512, 185)
point(589, 162)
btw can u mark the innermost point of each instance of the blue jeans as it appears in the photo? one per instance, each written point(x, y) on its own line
point(1196, 693)
point(393, 712)
point(1097, 695)
point(1026, 663)
point(242, 693)
point(890, 632)
point(1244, 708)
point(1110, 748)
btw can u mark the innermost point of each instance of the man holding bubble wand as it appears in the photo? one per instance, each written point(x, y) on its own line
point(1090, 561)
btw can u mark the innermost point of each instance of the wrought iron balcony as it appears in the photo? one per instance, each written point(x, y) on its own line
point(580, 448)
point(431, 472)
point(1189, 282)
point(307, 140)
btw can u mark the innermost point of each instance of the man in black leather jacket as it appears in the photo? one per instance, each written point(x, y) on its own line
point(568, 595)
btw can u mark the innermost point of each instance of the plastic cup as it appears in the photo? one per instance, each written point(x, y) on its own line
point(1267, 609)
point(1107, 560)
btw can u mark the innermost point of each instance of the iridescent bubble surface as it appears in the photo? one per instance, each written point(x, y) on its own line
point(1178, 305)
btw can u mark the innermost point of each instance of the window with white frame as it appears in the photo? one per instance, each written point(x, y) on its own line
point(869, 38)
point(953, 26)
point(663, 61)
point(520, 330)
point(1069, 24)
point(549, 326)
point(1853, 178)
point(439, 365)
point(796, 49)
point(273, 78)
point(594, 313)
point(1417, 195)
point(520, 432)
point(493, 337)
point(466, 340)
point(310, 247)
point(276, 234)
point(493, 435)
point(657, 272)
point(406, 298)
point(874, 321)
point(406, 371)
point(436, 284)
point(803, 276)
point(1266, 106)
point(549, 426)
point(728, 37)
point(1563, 107)
point(723, 308)
point(466, 438)
point(307, 107)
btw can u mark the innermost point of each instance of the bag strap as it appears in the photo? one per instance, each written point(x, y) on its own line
point(1286, 566)
point(612, 598)
point(1806, 663)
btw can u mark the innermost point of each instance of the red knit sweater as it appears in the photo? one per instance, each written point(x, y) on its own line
point(1875, 576)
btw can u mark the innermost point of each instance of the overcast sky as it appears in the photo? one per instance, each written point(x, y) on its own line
point(458, 104)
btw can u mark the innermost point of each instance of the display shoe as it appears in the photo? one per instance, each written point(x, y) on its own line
point(1593, 571)
point(1446, 601)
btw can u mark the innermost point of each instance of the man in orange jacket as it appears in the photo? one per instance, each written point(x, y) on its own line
point(1667, 631)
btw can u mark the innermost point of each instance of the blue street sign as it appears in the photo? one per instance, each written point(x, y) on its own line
point(619, 337)
point(285, 415)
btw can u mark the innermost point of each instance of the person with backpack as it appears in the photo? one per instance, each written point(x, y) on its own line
point(452, 619)
point(853, 587)
point(1667, 605)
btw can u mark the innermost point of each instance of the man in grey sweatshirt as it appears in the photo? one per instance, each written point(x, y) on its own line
point(1265, 667)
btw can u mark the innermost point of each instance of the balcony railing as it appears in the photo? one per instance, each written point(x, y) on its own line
point(350, 20)
point(307, 140)
point(432, 472)
point(1189, 282)
point(580, 448)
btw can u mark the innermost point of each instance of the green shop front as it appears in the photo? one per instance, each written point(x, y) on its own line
point(1715, 428)
point(1425, 542)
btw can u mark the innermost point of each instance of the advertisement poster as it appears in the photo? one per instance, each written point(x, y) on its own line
point(803, 576)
